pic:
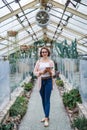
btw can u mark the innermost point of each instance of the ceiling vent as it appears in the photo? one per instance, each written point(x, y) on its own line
point(42, 18)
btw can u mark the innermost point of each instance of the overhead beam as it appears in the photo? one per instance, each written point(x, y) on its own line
point(78, 49)
point(49, 36)
point(68, 29)
point(32, 4)
point(70, 10)
point(28, 36)
point(60, 35)
point(53, 22)
point(84, 36)
point(18, 41)
point(20, 30)
point(67, 38)
point(13, 50)
point(27, 6)
point(81, 50)
point(5, 38)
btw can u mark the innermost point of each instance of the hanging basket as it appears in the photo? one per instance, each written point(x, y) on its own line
point(30, 46)
point(12, 33)
point(24, 47)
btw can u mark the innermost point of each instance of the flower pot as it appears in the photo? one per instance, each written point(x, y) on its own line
point(12, 33)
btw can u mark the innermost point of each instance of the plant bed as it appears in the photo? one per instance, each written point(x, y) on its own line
point(60, 86)
point(80, 123)
point(72, 113)
point(16, 113)
point(19, 107)
point(28, 86)
point(60, 83)
point(17, 110)
point(70, 100)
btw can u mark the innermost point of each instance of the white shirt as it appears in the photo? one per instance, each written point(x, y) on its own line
point(43, 66)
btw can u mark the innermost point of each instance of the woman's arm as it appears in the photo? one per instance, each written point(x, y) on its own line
point(51, 69)
point(36, 68)
point(37, 72)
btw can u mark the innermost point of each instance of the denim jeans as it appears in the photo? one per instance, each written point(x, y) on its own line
point(45, 92)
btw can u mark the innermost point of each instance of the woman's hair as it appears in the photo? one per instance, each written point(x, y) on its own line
point(46, 50)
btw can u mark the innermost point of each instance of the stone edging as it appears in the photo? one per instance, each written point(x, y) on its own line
point(18, 91)
point(68, 87)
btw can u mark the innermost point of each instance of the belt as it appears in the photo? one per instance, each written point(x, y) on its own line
point(46, 77)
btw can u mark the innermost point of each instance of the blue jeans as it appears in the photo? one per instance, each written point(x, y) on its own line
point(45, 93)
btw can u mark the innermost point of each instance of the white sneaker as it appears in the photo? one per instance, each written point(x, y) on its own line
point(43, 120)
point(46, 123)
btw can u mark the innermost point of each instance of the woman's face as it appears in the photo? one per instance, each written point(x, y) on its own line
point(44, 53)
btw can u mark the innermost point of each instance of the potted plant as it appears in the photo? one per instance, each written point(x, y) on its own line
point(60, 83)
point(71, 98)
point(80, 123)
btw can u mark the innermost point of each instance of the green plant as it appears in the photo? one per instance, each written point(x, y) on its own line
point(19, 107)
point(28, 86)
point(59, 83)
point(7, 126)
point(71, 98)
point(80, 123)
point(33, 77)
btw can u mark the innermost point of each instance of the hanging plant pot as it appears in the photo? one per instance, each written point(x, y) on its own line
point(30, 46)
point(12, 33)
point(24, 47)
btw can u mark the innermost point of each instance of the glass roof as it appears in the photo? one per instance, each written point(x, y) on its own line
point(68, 20)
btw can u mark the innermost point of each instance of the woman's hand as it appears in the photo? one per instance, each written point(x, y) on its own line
point(40, 73)
point(48, 69)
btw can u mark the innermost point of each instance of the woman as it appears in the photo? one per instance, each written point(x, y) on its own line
point(44, 70)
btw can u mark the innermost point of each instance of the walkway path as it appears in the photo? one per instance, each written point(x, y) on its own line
point(58, 116)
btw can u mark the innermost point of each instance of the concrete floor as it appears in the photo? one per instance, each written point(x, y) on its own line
point(59, 119)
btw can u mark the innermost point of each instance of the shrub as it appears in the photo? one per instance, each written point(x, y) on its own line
point(28, 86)
point(8, 126)
point(59, 83)
point(80, 123)
point(19, 107)
point(70, 99)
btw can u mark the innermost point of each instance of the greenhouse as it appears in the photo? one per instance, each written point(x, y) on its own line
point(26, 26)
